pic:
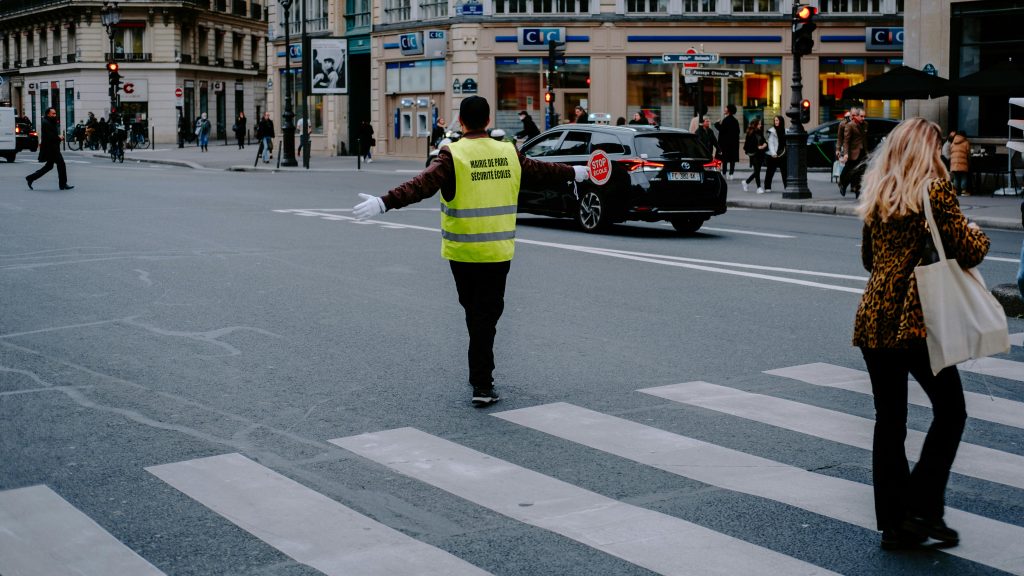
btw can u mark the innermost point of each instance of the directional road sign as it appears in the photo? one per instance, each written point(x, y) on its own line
point(697, 58)
point(713, 73)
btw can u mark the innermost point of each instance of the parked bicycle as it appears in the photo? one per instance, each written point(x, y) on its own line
point(137, 137)
point(74, 138)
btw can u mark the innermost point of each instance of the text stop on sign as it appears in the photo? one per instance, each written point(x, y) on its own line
point(600, 167)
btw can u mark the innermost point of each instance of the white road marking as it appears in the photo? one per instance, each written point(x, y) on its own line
point(1017, 339)
point(745, 232)
point(979, 406)
point(986, 541)
point(971, 459)
point(674, 261)
point(304, 524)
point(655, 541)
point(1001, 259)
point(41, 534)
point(995, 367)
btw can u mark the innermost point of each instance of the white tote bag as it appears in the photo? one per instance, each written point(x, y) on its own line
point(963, 320)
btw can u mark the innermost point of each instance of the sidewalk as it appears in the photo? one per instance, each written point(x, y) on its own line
point(1001, 212)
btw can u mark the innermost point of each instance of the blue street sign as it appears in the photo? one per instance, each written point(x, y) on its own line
point(690, 58)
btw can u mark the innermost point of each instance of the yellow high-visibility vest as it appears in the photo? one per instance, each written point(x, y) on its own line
point(479, 224)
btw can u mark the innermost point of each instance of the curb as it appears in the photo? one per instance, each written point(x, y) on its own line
point(851, 210)
point(1008, 296)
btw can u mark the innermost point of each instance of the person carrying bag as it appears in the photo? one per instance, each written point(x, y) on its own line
point(894, 334)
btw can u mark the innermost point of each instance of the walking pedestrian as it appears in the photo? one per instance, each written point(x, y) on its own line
point(479, 180)
point(890, 331)
point(203, 128)
point(437, 134)
point(529, 126)
point(729, 140)
point(49, 151)
point(265, 133)
point(840, 135)
point(366, 140)
point(854, 146)
point(959, 163)
point(707, 137)
point(776, 156)
point(240, 129)
point(103, 132)
point(755, 146)
point(184, 130)
point(638, 120)
point(581, 116)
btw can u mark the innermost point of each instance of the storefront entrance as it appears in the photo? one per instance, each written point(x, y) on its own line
point(566, 101)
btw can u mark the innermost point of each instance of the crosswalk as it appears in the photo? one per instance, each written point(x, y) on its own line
point(42, 534)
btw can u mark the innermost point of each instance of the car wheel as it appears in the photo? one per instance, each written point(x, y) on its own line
point(592, 213)
point(687, 225)
point(10, 157)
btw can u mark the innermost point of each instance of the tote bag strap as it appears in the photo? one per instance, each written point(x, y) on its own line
point(936, 239)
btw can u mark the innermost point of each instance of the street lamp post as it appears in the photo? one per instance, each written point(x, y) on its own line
point(110, 15)
point(287, 128)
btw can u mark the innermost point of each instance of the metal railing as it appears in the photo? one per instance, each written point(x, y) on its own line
point(129, 56)
point(239, 64)
point(239, 8)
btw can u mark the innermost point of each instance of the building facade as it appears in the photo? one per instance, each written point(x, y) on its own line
point(177, 58)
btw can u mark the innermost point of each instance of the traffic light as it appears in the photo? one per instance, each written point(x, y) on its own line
point(805, 111)
point(549, 97)
point(803, 29)
point(114, 78)
point(556, 50)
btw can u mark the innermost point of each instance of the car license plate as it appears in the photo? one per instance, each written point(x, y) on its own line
point(684, 176)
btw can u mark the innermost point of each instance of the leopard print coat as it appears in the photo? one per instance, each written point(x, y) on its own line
point(889, 315)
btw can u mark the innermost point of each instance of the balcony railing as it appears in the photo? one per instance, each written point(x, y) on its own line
point(7, 66)
point(186, 58)
point(72, 58)
point(129, 56)
point(220, 62)
point(238, 8)
point(204, 60)
point(220, 5)
point(240, 64)
point(42, 61)
point(56, 59)
point(256, 11)
point(28, 63)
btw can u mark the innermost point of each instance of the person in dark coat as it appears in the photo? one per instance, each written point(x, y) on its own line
point(707, 137)
point(529, 126)
point(729, 140)
point(240, 129)
point(49, 151)
point(638, 120)
point(756, 147)
point(184, 129)
point(366, 140)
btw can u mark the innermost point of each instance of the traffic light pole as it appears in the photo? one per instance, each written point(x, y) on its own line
point(796, 141)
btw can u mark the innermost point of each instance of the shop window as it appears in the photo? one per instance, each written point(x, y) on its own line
point(851, 6)
point(837, 74)
point(647, 6)
point(754, 6)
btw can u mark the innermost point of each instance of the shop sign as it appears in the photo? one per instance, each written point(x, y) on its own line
point(435, 43)
point(713, 73)
point(883, 39)
point(538, 38)
point(411, 43)
point(135, 91)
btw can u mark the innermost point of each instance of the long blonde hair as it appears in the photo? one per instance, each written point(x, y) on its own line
point(909, 158)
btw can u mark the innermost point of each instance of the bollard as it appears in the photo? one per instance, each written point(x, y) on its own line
point(359, 154)
point(152, 138)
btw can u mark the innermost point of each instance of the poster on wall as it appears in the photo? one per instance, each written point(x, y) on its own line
point(325, 65)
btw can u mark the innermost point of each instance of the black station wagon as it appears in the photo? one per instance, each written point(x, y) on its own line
point(657, 174)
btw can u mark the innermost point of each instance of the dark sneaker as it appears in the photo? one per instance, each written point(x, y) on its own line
point(484, 396)
point(899, 539)
point(934, 529)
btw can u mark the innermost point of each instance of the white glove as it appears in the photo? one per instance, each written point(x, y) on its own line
point(370, 206)
point(581, 173)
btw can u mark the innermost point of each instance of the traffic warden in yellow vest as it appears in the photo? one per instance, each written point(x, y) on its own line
point(479, 180)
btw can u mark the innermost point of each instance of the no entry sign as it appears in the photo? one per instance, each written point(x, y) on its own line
point(600, 167)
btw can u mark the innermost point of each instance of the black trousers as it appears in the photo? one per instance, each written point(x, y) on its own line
point(481, 288)
point(852, 173)
point(898, 490)
point(62, 170)
point(775, 163)
point(756, 161)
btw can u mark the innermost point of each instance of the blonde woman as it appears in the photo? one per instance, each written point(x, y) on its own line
point(889, 329)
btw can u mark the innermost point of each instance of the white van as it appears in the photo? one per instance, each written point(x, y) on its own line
point(8, 139)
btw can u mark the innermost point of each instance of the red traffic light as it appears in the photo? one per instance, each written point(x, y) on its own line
point(112, 66)
point(806, 12)
point(549, 97)
point(805, 104)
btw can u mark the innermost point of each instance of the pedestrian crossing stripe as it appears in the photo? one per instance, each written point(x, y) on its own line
point(979, 406)
point(304, 524)
point(658, 542)
point(985, 541)
point(971, 459)
point(1017, 339)
point(997, 367)
point(41, 534)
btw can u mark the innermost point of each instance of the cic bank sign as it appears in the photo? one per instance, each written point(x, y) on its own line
point(884, 39)
point(538, 38)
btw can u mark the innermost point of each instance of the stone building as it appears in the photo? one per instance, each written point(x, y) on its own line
point(179, 57)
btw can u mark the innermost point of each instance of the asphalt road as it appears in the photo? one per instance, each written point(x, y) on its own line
point(156, 321)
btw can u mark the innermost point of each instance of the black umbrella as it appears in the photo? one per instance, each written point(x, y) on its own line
point(900, 83)
point(1003, 79)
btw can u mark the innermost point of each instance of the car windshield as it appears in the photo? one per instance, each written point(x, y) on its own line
point(670, 144)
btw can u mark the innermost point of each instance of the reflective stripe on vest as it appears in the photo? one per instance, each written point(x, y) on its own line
point(479, 224)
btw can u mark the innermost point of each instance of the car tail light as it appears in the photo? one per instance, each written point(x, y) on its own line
point(714, 166)
point(641, 165)
point(17, 129)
